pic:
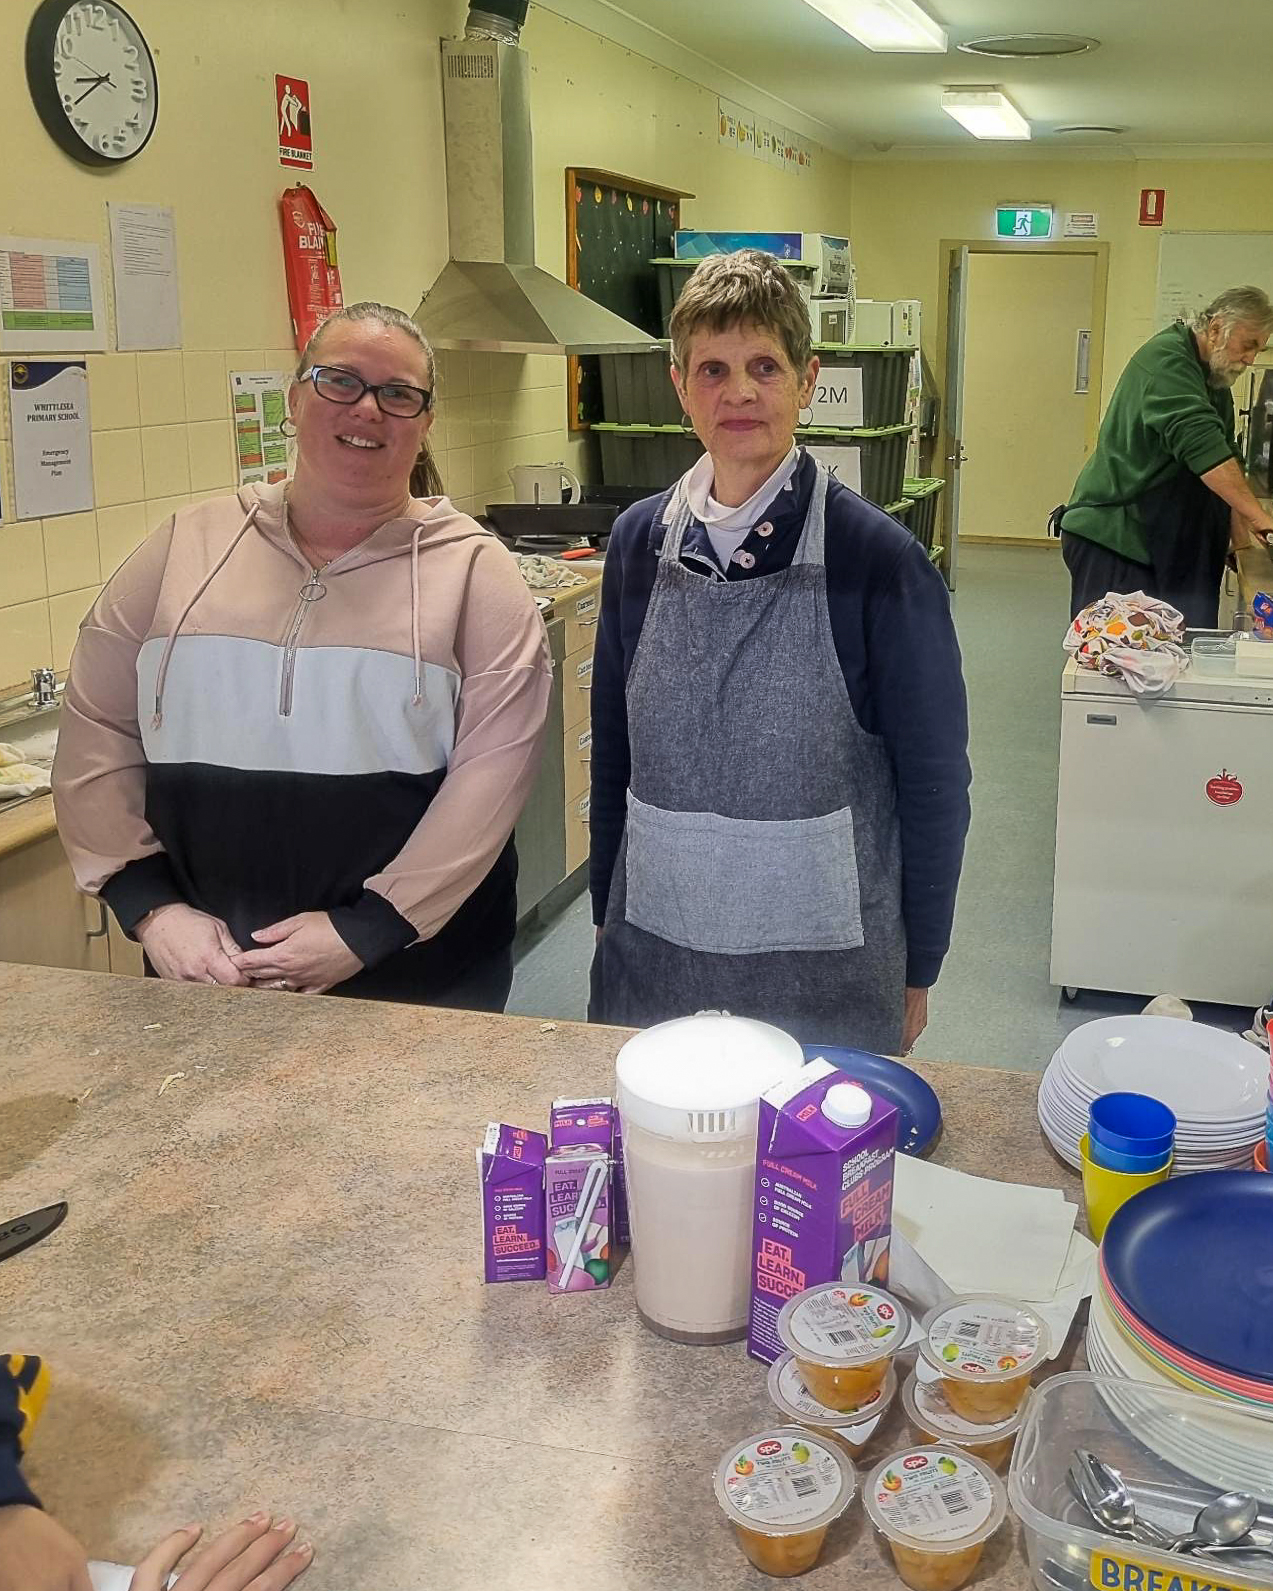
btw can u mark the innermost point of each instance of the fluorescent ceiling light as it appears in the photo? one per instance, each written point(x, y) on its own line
point(891, 27)
point(985, 112)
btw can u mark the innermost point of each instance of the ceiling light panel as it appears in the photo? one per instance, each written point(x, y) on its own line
point(985, 113)
point(889, 27)
point(1030, 46)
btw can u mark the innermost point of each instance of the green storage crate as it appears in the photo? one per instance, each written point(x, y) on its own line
point(657, 455)
point(885, 378)
point(672, 276)
point(924, 494)
point(901, 510)
point(652, 456)
point(636, 388)
point(882, 455)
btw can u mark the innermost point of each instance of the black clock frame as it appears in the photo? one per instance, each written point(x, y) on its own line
point(47, 98)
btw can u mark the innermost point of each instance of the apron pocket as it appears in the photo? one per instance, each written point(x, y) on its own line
point(743, 886)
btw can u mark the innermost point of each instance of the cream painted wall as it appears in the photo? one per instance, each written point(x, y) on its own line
point(1022, 457)
point(161, 422)
point(902, 210)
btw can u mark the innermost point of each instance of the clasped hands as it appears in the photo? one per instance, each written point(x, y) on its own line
point(302, 954)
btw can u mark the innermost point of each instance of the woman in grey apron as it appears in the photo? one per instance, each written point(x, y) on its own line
point(760, 863)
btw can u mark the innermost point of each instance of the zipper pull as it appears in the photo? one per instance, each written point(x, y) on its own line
point(313, 590)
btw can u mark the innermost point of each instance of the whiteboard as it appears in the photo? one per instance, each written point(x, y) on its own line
point(1195, 267)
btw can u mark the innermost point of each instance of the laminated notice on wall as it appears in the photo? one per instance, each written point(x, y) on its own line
point(259, 401)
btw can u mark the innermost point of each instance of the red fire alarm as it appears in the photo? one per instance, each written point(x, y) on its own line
point(1151, 206)
point(1225, 790)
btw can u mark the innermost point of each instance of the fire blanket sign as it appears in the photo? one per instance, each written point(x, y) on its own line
point(291, 103)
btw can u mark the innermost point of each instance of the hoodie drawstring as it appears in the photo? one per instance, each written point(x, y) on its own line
point(203, 585)
point(415, 610)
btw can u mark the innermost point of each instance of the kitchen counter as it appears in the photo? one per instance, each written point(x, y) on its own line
point(24, 822)
point(268, 1292)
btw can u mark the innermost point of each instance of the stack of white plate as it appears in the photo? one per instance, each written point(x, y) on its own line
point(1215, 1082)
point(1218, 1442)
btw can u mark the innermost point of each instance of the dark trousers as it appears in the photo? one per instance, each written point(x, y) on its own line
point(1186, 529)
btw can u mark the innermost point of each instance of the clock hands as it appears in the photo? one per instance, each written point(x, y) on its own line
point(96, 83)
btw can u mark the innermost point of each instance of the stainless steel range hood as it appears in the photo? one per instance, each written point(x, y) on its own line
point(491, 294)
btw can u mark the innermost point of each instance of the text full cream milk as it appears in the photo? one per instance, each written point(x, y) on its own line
point(823, 1193)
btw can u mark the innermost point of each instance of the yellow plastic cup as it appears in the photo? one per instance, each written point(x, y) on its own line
point(1106, 1191)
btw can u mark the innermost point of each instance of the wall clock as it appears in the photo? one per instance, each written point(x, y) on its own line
point(92, 79)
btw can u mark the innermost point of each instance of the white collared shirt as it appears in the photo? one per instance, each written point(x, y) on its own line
point(728, 528)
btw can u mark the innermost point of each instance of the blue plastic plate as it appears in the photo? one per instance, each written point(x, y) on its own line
point(1193, 1259)
point(918, 1108)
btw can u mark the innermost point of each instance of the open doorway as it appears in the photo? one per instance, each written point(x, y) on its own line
point(1021, 340)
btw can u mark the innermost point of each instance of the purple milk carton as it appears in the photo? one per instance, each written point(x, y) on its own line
point(595, 1121)
point(824, 1193)
point(510, 1168)
point(577, 1187)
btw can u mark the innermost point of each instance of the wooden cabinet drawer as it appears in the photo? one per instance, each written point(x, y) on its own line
point(576, 688)
point(577, 839)
point(581, 614)
point(577, 761)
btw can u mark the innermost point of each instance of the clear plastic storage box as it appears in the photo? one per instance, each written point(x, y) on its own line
point(1175, 1450)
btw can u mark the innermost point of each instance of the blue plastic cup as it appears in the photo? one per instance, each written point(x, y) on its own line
point(1130, 1165)
point(1132, 1124)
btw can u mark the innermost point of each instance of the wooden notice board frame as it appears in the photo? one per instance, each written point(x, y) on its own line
point(655, 213)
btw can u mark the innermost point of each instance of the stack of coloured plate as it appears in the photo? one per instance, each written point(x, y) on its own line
point(1185, 1299)
point(1215, 1083)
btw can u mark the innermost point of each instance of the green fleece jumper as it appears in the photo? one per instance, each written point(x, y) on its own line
point(1164, 417)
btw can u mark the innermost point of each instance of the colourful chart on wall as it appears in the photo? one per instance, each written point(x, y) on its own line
point(50, 296)
point(259, 402)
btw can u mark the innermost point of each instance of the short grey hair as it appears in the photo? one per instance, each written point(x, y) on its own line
point(746, 288)
point(1238, 306)
point(426, 479)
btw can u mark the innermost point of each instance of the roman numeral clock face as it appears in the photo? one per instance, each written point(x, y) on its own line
point(92, 79)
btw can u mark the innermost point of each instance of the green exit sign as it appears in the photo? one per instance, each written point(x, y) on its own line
point(1023, 221)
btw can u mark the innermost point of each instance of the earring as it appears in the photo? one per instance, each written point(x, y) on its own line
point(804, 424)
point(284, 424)
point(687, 425)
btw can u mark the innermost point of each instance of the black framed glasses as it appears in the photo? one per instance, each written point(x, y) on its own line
point(392, 397)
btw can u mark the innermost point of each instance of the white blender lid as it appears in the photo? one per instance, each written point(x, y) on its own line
point(701, 1077)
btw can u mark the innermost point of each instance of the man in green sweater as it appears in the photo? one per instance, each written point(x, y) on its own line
point(1163, 496)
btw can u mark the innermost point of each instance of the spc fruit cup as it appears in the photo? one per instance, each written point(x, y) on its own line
point(843, 1336)
point(908, 1499)
point(852, 1429)
point(933, 1421)
point(985, 1349)
point(1105, 1192)
point(779, 1529)
point(1132, 1124)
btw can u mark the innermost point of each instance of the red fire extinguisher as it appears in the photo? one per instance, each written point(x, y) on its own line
point(309, 253)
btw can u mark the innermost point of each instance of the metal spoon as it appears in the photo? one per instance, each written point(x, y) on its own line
point(1103, 1492)
point(1222, 1523)
point(1108, 1501)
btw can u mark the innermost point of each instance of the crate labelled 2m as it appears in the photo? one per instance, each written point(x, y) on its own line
point(837, 399)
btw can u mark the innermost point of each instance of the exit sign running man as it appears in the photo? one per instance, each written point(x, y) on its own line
point(1023, 221)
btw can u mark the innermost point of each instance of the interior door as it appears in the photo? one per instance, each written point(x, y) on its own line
point(956, 344)
point(1025, 389)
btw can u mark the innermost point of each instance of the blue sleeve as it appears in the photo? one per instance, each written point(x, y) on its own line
point(22, 1382)
point(920, 708)
point(611, 759)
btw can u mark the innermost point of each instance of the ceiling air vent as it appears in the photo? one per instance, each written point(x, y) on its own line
point(1030, 46)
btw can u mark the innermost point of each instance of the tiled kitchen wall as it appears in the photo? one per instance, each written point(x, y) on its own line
point(162, 438)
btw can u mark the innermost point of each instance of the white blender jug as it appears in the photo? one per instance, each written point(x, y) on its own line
point(688, 1096)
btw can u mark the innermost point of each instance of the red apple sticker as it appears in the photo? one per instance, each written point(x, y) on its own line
point(1224, 790)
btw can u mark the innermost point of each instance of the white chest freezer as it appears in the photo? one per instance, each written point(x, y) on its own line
point(1164, 839)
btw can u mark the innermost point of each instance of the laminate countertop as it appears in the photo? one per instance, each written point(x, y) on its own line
point(268, 1292)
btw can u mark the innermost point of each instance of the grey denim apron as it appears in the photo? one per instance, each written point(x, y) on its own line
point(760, 867)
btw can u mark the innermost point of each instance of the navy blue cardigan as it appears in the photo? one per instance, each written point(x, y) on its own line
point(890, 618)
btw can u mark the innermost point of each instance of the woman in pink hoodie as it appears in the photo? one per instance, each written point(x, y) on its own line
point(301, 721)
